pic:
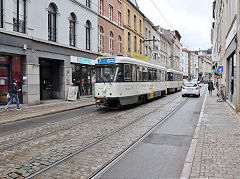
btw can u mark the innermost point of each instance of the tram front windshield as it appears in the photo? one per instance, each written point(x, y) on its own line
point(106, 73)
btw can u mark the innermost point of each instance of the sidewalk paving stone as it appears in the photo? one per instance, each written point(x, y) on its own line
point(42, 109)
point(218, 147)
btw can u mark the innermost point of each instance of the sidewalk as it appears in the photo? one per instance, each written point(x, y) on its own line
point(215, 148)
point(42, 109)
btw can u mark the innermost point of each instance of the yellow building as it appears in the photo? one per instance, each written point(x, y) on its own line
point(133, 31)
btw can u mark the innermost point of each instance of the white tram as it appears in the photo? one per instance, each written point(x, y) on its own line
point(123, 80)
point(174, 80)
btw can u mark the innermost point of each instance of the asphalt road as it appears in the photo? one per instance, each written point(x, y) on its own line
point(163, 152)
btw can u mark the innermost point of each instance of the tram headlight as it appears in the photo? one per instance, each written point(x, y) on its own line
point(104, 89)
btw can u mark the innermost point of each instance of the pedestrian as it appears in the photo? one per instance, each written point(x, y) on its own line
point(210, 87)
point(13, 91)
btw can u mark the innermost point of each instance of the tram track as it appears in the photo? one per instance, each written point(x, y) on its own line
point(74, 123)
point(111, 134)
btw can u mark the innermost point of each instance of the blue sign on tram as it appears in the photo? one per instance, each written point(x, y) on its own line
point(106, 60)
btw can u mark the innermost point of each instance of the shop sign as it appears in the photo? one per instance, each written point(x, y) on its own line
point(140, 57)
point(82, 60)
point(72, 93)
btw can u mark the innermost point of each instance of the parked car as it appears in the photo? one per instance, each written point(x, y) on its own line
point(191, 88)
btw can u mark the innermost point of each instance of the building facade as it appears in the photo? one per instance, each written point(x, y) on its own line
point(133, 30)
point(110, 27)
point(48, 46)
point(225, 36)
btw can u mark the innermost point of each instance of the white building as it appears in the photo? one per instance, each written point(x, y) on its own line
point(50, 40)
point(184, 63)
point(194, 65)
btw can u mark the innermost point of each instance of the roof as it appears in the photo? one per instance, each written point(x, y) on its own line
point(131, 61)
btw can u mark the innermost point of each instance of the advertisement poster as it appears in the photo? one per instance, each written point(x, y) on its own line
point(72, 93)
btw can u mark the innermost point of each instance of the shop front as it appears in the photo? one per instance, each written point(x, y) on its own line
point(83, 74)
point(10, 68)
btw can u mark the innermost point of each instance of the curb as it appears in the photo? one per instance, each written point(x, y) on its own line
point(48, 113)
point(191, 152)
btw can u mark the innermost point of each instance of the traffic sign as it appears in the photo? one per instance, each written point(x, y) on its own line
point(220, 70)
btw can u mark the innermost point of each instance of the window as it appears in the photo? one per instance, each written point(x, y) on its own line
point(110, 13)
point(52, 24)
point(135, 23)
point(150, 75)
point(88, 3)
point(127, 72)
point(135, 44)
point(139, 73)
point(100, 48)
point(88, 35)
point(128, 16)
point(145, 74)
point(119, 44)
point(154, 75)
point(72, 29)
point(119, 18)
point(1, 13)
point(159, 75)
point(101, 7)
point(134, 73)
point(140, 46)
point(140, 26)
point(129, 42)
point(111, 43)
point(19, 18)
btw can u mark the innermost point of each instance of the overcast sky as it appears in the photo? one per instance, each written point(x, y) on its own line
point(192, 18)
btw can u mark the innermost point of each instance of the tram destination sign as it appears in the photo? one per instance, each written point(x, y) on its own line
point(106, 60)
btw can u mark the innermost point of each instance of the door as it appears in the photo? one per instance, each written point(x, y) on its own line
point(4, 81)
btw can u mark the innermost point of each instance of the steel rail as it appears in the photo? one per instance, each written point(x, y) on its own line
point(106, 136)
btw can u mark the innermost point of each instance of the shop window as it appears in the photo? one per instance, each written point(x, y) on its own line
point(19, 16)
point(52, 24)
point(88, 35)
point(72, 29)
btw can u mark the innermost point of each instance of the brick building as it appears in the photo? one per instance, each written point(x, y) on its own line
point(110, 27)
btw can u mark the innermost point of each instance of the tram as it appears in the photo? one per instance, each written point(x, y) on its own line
point(122, 81)
point(174, 81)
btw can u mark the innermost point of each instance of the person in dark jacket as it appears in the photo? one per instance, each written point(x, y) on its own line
point(210, 87)
point(13, 91)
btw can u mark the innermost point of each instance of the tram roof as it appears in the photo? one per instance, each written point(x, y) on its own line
point(174, 71)
point(131, 61)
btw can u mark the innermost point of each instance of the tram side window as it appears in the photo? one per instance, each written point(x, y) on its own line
point(127, 72)
point(169, 76)
point(119, 74)
point(154, 75)
point(150, 75)
point(163, 76)
point(134, 73)
point(158, 75)
point(139, 73)
point(145, 74)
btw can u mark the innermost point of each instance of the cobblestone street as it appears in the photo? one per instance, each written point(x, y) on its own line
point(27, 152)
